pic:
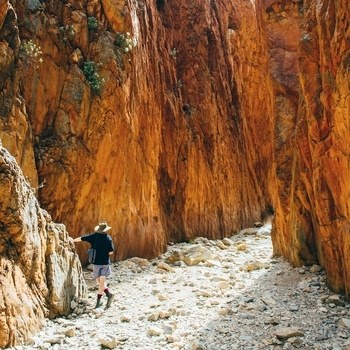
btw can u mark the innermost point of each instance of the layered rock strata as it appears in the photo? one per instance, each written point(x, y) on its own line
point(39, 272)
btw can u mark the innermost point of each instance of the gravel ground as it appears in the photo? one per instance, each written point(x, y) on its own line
point(207, 295)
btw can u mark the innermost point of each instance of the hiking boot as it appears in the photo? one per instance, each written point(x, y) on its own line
point(98, 303)
point(110, 297)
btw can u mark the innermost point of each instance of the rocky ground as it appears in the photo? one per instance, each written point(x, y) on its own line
point(228, 294)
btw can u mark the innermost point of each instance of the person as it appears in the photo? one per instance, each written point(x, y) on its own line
point(102, 242)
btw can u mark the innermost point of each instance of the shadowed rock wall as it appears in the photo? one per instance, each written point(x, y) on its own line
point(39, 272)
point(312, 215)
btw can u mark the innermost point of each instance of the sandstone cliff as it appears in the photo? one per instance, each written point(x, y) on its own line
point(312, 221)
point(39, 273)
point(177, 143)
point(210, 116)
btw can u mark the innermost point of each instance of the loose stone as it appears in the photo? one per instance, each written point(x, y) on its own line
point(214, 300)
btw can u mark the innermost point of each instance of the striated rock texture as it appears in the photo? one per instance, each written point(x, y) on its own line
point(312, 223)
point(39, 272)
point(177, 142)
point(284, 22)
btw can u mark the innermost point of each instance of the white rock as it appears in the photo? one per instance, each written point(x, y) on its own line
point(255, 265)
point(140, 262)
point(164, 314)
point(108, 340)
point(69, 332)
point(249, 231)
point(168, 329)
point(227, 241)
point(224, 312)
point(162, 297)
point(211, 263)
point(73, 304)
point(223, 285)
point(302, 285)
point(154, 331)
point(219, 278)
point(268, 299)
point(163, 265)
point(127, 263)
point(335, 299)
point(172, 339)
point(288, 332)
point(196, 254)
point(173, 257)
point(54, 339)
point(345, 322)
point(125, 318)
point(315, 268)
point(221, 245)
point(153, 317)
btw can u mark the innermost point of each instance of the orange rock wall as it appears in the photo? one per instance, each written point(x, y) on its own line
point(293, 228)
point(324, 134)
point(177, 144)
point(312, 221)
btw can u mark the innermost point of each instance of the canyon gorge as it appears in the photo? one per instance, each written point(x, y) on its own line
point(170, 120)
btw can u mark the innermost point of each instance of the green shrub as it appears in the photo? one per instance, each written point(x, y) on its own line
point(125, 42)
point(67, 32)
point(90, 71)
point(93, 23)
point(30, 53)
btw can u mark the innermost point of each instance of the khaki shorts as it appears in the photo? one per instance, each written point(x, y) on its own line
point(100, 270)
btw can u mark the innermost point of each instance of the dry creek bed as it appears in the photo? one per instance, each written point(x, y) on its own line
point(207, 295)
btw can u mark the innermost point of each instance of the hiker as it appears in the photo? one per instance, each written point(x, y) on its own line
point(103, 244)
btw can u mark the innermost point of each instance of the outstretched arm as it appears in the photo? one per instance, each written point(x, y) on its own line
point(78, 239)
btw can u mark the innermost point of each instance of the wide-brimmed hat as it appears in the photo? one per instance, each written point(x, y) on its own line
point(102, 227)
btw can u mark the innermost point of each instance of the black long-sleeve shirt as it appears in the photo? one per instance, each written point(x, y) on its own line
point(103, 244)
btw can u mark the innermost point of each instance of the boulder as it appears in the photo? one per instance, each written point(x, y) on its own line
point(196, 254)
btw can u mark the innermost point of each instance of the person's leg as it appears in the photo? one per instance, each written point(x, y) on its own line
point(105, 272)
point(100, 280)
point(101, 284)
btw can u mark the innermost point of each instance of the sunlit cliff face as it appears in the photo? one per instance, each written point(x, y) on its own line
point(165, 142)
point(217, 115)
